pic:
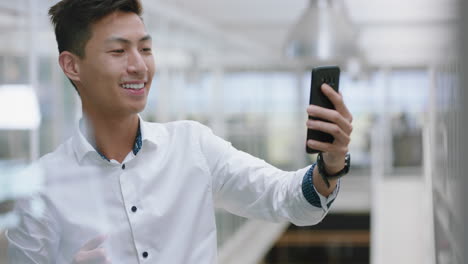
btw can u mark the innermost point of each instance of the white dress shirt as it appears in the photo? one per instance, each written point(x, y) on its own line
point(156, 206)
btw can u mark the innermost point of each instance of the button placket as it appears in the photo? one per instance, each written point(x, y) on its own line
point(133, 209)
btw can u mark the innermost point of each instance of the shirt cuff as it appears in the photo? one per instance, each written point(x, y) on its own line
point(313, 196)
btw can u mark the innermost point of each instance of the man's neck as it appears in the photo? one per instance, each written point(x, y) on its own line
point(112, 137)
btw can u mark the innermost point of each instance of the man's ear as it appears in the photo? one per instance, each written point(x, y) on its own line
point(70, 66)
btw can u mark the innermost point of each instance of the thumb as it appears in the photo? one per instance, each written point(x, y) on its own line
point(94, 243)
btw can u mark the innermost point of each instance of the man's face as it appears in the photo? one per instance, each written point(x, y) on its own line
point(116, 73)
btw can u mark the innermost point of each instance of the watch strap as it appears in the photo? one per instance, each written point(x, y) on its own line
point(325, 175)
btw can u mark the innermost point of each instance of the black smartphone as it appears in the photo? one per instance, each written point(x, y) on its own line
point(320, 75)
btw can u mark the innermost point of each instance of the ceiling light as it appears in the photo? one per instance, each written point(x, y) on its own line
point(323, 34)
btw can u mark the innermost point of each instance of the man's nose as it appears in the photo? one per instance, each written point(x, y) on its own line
point(136, 63)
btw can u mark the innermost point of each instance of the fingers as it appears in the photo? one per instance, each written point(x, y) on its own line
point(338, 125)
point(328, 147)
point(337, 100)
point(91, 253)
point(332, 116)
point(330, 128)
point(94, 243)
point(95, 256)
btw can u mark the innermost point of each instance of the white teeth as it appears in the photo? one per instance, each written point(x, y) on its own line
point(133, 86)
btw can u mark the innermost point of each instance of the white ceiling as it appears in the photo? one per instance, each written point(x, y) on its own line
point(251, 33)
point(391, 32)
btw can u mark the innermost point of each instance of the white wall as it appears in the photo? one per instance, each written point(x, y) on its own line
point(399, 221)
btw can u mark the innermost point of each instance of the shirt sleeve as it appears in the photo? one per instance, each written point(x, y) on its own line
point(34, 239)
point(313, 196)
point(250, 187)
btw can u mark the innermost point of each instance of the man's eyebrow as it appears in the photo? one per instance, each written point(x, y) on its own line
point(126, 41)
point(147, 37)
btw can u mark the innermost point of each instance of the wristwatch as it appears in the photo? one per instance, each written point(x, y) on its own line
point(325, 176)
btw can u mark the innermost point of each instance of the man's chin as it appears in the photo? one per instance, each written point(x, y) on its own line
point(138, 108)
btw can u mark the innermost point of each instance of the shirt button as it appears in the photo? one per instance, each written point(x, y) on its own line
point(123, 166)
point(134, 209)
point(145, 254)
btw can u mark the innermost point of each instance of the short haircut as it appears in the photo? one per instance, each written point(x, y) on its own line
point(72, 21)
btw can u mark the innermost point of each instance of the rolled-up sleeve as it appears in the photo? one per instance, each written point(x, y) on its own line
point(313, 196)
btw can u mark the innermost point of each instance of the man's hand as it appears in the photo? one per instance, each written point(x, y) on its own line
point(340, 128)
point(91, 253)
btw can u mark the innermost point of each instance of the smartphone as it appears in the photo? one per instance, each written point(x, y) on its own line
point(320, 75)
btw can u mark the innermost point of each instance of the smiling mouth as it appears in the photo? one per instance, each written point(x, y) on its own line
point(134, 86)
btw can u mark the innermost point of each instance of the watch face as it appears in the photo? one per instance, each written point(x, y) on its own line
point(347, 162)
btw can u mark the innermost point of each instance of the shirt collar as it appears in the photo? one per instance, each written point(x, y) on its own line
point(136, 145)
point(153, 133)
point(147, 132)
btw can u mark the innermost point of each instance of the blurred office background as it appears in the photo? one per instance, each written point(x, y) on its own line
point(243, 68)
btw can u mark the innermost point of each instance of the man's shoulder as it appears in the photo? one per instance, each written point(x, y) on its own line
point(183, 133)
point(63, 154)
point(176, 127)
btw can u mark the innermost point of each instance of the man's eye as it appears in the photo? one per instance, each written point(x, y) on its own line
point(146, 49)
point(117, 51)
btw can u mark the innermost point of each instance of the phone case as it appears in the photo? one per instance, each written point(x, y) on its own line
point(320, 75)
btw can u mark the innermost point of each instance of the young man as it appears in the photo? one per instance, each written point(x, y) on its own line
point(123, 190)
